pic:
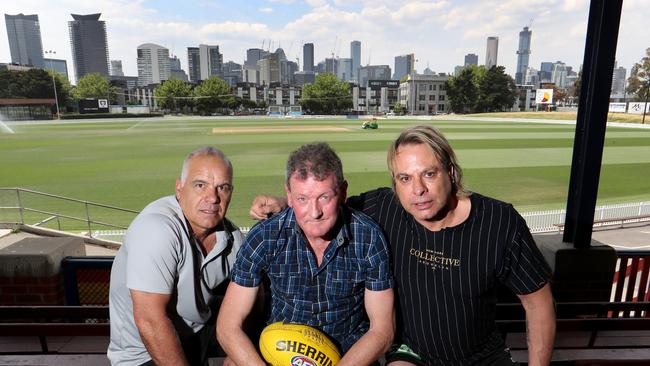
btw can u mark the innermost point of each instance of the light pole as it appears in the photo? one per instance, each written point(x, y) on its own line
point(56, 99)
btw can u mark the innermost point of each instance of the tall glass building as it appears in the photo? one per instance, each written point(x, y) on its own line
point(89, 45)
point(25, 45)
point(523, 54)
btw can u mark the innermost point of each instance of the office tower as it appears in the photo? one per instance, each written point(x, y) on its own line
point(89, 44)
point(116, 68)
point(253, 55)
point(375, 72)
point(545, 70)
point(344, 69)
point(331, 65)
point(491, 52)
point(193, 66)
point(403, 66)
point(232, 72)
point(308, 57)
point(175, 71)
point(559, 74)
point(210, 61)
point(24, 35)
point(523, 54)
point(270, 69)
point(471, 59)
point(153, 64)
point(355, 55)
point(618, 80)
point(57, 65)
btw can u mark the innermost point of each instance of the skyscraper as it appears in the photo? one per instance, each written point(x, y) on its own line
point(618, 81)
point(308, 57)
point(193, 67)
point(523, 54)
point(153, 64)
point(404, 64)
point(210, 61)
point(471, 59)
point(491, 52)
point(24, 35)
point(89, 44)
point(355, 55)
point(116, 68)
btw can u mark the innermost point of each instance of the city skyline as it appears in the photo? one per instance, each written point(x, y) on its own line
point(439, 33)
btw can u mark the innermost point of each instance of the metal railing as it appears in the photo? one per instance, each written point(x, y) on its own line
point(29, 207)
point(115, 220)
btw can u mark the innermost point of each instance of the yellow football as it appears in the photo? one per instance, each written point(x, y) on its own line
point(284, 344)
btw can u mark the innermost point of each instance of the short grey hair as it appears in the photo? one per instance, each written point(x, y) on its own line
point(439, 146)
point(317, 159)
point(206, 150)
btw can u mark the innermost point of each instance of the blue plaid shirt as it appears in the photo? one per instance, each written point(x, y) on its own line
point(329, 297)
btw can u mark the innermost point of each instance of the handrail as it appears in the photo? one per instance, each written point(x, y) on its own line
point(85, 206)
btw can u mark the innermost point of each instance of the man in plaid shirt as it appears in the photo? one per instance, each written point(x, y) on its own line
point(326, 264)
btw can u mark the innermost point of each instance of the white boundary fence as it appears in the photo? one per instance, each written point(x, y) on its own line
point(537, 221)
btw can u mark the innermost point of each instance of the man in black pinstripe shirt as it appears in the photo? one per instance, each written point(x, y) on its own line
point(450, 248)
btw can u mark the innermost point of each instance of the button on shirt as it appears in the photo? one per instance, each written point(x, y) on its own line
point(330, 296)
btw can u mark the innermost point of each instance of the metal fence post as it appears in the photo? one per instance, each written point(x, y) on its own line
point(90, 231)
point(20, 206)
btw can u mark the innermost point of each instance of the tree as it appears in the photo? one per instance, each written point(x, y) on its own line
point(399, 108)
point(638, 84)
point(33, 83)
point(211, 94)
point(327, 95)
point(94, 85)
point(173, 95)
point(497, 90)
point(463, 90)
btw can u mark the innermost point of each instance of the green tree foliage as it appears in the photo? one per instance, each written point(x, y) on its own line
point(497, 90)
point(327, 95)
point(34, 83)
point(638, 84)
point(174, 95)
point(211, 94)
point(477, 89)
point(463, 91)
point(94, 85)
point(399, 108)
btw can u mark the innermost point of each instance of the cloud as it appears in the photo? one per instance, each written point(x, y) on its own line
point(265, 10)
point(283, 1)
point(233, 29)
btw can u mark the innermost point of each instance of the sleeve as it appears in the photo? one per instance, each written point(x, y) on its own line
point(154, 254)
point(378, 276)
point(524, 268)
point(365, 202)
point(250, 264)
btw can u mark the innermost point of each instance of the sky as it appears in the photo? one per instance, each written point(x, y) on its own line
point(439, 33)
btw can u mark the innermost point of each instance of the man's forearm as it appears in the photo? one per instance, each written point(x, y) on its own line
point(238, 346)
point(540, 325)
point(162, 342)
point(369, 348)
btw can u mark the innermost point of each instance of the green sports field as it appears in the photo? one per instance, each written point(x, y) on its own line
point(128, 163)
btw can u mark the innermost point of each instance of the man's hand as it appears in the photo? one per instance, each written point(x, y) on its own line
point(540, 324)
point(264, 206)
point(156, 329)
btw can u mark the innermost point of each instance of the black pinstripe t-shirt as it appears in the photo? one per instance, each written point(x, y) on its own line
point(445, 280)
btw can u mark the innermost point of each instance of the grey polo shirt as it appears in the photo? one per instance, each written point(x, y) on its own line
point(158, 255)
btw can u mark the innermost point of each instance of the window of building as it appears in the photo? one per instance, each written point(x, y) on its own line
point(430, 86)
point(421, 107)
point(442, 86)
point(432, 97)
point(422, 98)
point(441, 98)
point(434, 87)
point(441, 107)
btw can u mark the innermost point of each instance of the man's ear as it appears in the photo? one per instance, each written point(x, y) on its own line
point(288, 192)
point(179, 185)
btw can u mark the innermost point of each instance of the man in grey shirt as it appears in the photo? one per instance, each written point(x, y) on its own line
point(175, 253)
